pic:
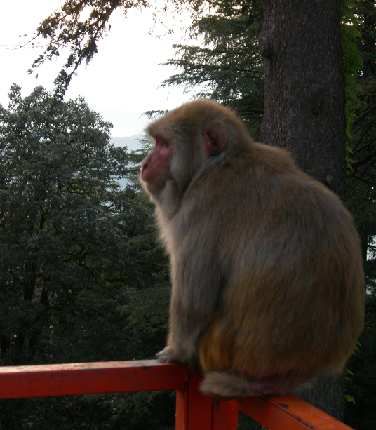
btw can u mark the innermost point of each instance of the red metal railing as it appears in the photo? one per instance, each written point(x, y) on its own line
point(193, 410)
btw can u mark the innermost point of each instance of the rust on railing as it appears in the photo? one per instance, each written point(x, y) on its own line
point(194, 411)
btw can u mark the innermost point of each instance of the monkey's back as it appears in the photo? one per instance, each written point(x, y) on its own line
point(292, 281)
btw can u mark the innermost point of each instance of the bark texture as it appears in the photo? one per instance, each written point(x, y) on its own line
point(304, 91)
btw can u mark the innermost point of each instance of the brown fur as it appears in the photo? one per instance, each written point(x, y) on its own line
point(266, 270)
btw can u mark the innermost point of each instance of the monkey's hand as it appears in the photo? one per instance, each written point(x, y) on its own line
point(167, 355)
point(172, 355)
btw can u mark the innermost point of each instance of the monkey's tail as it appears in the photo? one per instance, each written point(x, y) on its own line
point(230, 385)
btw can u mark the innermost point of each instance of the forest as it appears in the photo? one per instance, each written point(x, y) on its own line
point(83, 275)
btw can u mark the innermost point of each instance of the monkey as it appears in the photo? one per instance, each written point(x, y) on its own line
point(266, 269)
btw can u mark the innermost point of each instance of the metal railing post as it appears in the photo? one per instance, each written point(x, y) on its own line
point(195, 411)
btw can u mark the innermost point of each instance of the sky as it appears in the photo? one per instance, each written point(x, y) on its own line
point(121, 82)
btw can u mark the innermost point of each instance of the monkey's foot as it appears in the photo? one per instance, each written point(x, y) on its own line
point(229, 385)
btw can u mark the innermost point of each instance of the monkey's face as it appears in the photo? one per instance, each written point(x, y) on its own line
point(172, 163)
point(155, 168)
point(185, 140)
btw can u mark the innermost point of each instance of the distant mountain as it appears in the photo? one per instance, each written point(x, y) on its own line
point(131, 142)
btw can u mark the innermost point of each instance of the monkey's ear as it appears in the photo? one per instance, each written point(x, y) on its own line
point(214, 140)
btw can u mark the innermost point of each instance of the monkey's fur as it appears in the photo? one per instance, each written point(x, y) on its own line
point(266, 268)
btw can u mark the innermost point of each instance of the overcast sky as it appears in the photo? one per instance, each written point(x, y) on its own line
point(121, 82)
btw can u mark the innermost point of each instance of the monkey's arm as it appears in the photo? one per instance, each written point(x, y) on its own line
point(196, 291)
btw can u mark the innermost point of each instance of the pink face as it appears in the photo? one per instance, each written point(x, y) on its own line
point(156, 166)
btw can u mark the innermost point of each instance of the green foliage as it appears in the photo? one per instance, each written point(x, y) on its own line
point(82, 277)
point(67, 230)
point(110, 412)
point(352, 68)
point(74, 30)
point(359, 40)
point(78, 25)
point(362, 122)
point(361, 413)
point(228, 65)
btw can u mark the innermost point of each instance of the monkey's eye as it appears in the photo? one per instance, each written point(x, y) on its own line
point(160, 142)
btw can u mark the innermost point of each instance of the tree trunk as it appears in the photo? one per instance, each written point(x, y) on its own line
point(304, 86)
point(304, 106)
